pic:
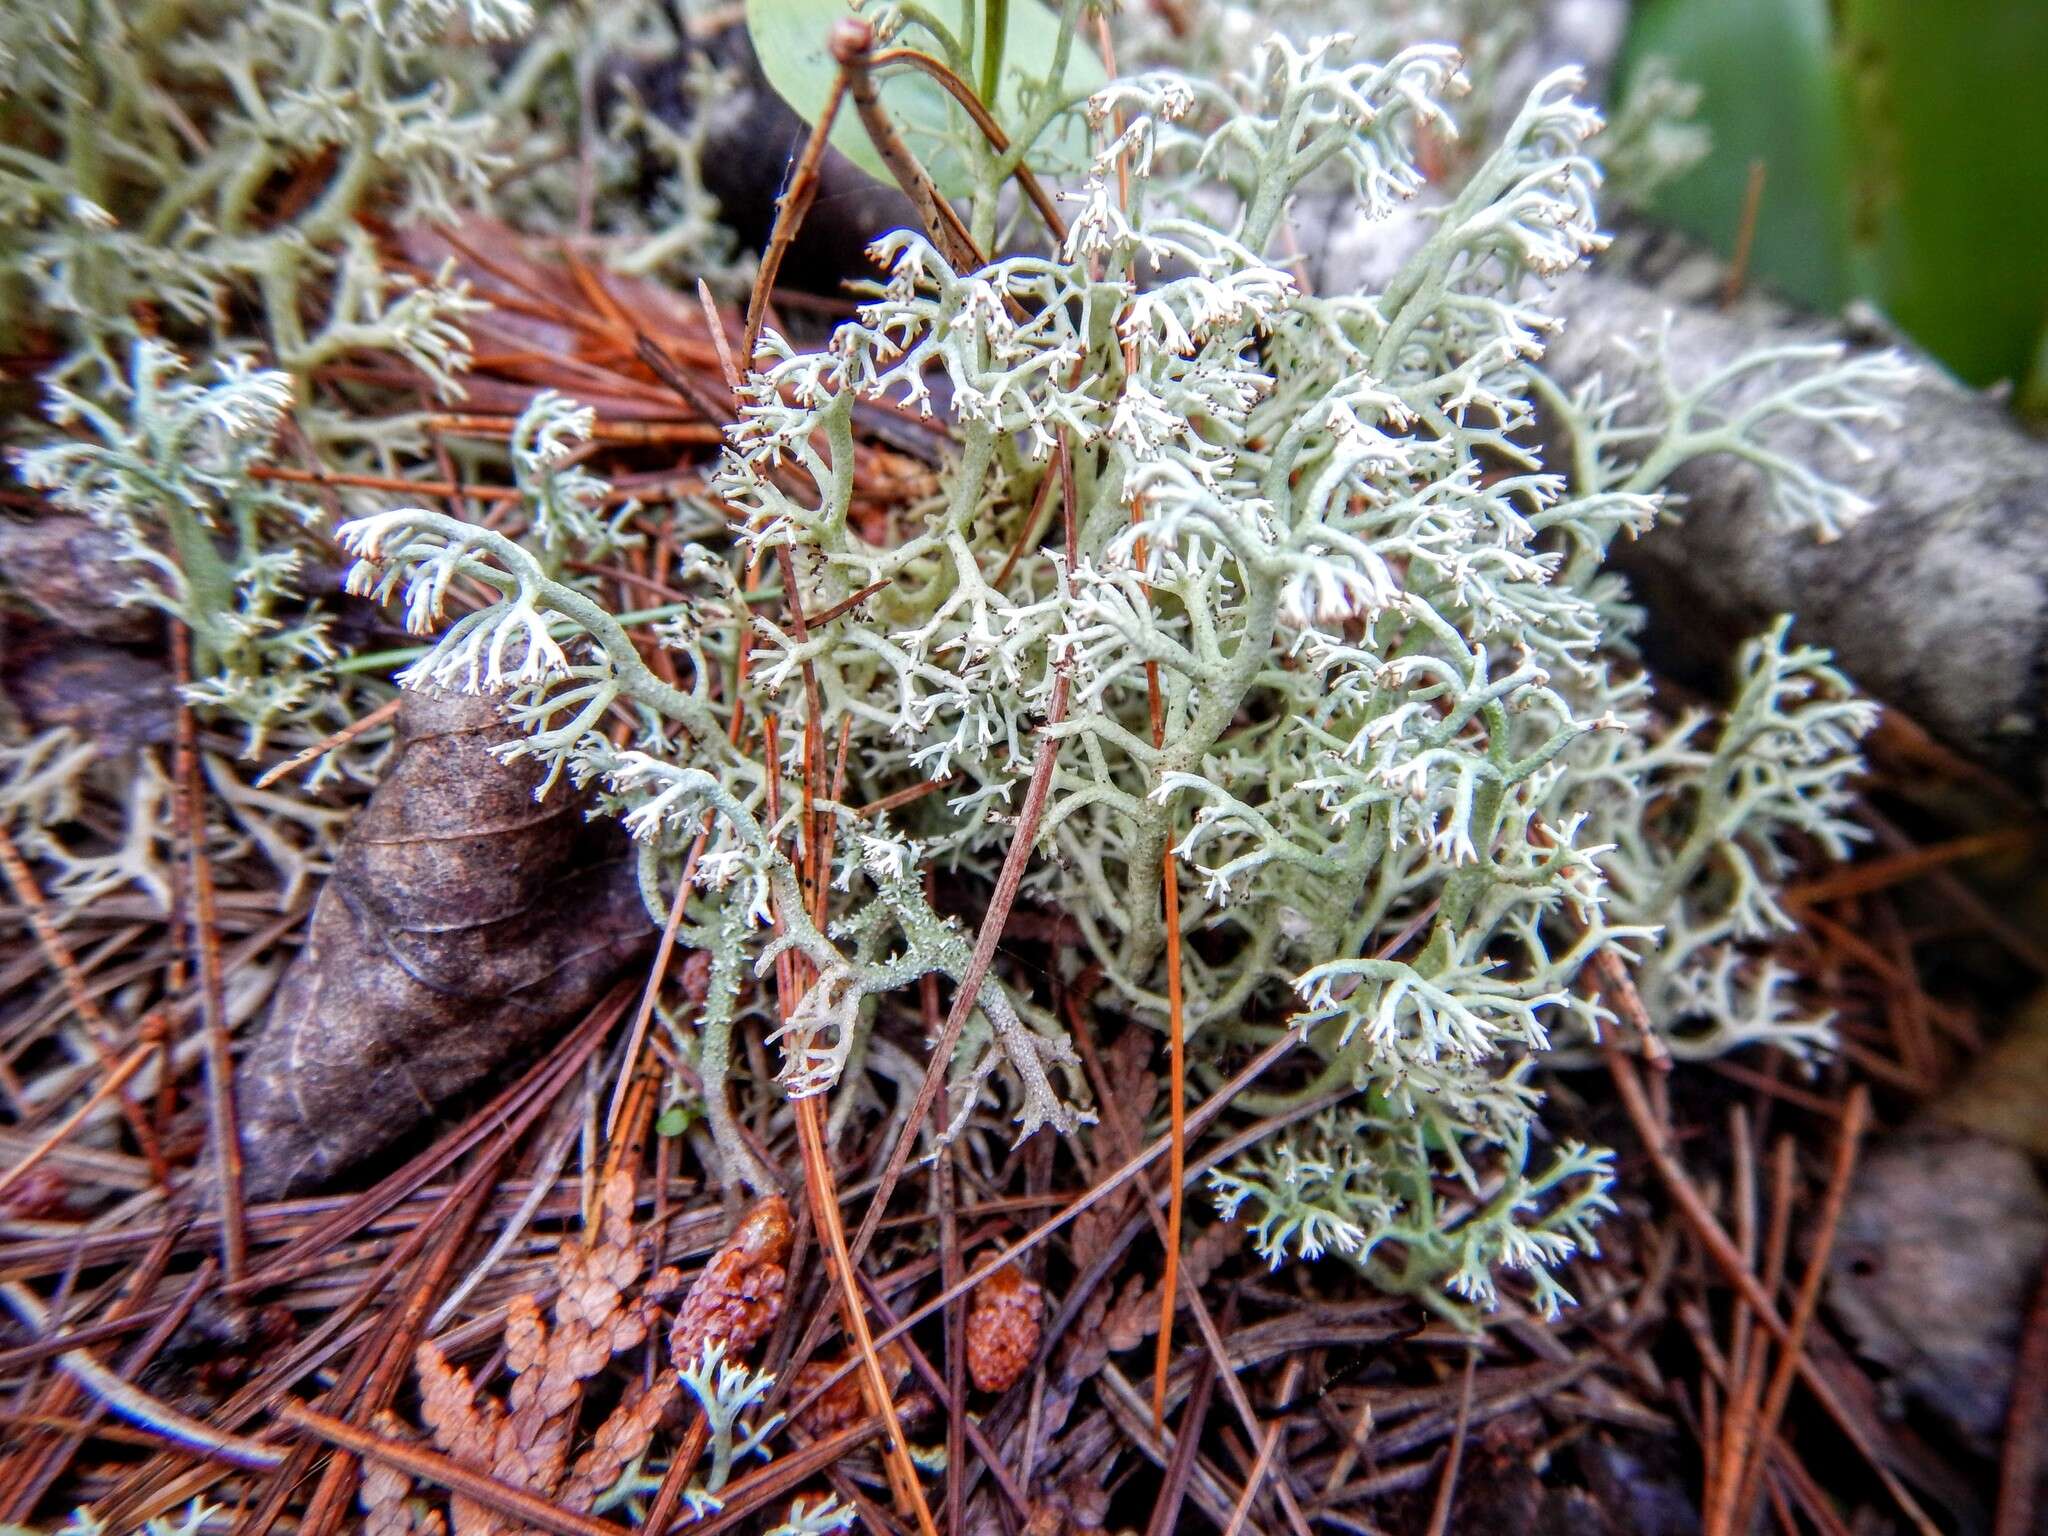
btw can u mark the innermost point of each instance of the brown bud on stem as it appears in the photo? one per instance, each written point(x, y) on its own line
point(1003, 1324)
point(739, 1295)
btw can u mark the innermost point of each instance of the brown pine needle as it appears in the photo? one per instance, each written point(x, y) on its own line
point(1177, 1160)
point(896, 799)
point(715, 324)
point(629, 1063)
point(137, 1406)
point(1177, 1087)
point(1862, 878)
point(517, 1504)
point(99, 1029)
point(790, 209)
point(644, 434)
point(202, 926)
point(1728, 1259)
point(54, 1138)
point(1745, 234)
point(326, 744)
point(1447, 1488)
point(1848, 1140)
point(1027, 181)
point(824, 1199)
point(851, 45)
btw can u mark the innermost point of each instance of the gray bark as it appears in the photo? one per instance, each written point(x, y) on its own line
point(1937, 603)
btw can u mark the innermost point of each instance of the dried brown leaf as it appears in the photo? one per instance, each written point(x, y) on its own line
point(1132, 1318)
point(624, 1434)
point(464, 923)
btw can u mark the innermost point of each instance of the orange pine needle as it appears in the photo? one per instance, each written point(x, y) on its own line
point(1177, 1087)
point(824, 1198)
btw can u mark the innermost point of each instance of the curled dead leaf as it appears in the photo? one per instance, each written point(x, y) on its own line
point(464, 923)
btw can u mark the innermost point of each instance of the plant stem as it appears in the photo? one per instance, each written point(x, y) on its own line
point(995, 27)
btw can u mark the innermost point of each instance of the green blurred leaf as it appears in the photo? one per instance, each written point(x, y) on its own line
point(790, 38)
point(1949, 216)
point(1769, 94)
point(674, 1121)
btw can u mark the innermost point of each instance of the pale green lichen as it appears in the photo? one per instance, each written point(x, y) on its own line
point(1411, 779)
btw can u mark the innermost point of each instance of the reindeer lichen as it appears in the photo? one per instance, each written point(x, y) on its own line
point(1323, 630)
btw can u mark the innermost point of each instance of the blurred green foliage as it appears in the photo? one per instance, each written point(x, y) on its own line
point(1904, 160)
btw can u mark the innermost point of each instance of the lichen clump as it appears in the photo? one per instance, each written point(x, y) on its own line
point(1308, 619)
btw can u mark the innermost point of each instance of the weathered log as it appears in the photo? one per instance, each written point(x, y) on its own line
point(1936, 603)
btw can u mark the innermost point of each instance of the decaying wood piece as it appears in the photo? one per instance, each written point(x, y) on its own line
point(463, 924)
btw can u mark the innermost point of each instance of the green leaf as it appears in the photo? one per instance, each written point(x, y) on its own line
point(790, 38)
point(1950, 214)
point(674, 1121)
point(1769, 95)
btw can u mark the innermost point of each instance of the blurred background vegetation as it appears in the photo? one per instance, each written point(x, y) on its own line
point(1897, 151)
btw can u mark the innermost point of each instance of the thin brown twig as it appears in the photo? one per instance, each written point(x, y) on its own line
point(728, 367)
point(1728, 1260)
point(962, 92)
point(645, 434)
point(1101, 1190)
point(896, 799)
point(819, 1186)
point(1186, 1441)
point(852, 47)
point(112, 1083)
point(967, 995)
point(1865, 876)
point(1745, 233)
point(393, 1351)
point(849, 603)
point(644, 1017)
point(946, 1191)
point(225, 1140)
point(328, 743)
point(132, 1403)
point(825, 1214)
point(790, 208)
point(1727, 1455)
point(442, 489)
point(746, 1495)
point(99, 1029)
point(1447, 1486)
point(970, 1427)
point(1848, 1141)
